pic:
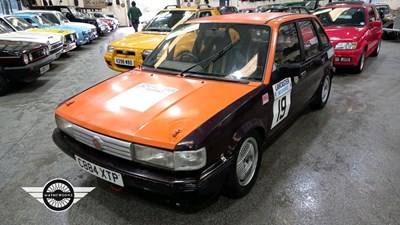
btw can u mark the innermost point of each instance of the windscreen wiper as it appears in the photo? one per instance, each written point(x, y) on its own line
point(212, 58)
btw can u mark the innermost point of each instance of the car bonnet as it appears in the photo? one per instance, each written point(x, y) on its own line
point(148, 108)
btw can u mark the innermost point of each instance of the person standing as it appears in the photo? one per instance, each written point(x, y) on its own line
point(133, 14)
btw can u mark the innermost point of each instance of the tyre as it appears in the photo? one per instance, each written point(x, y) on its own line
point(377, 50)
point(246, 165)
point(360, 66)
point(3, 85)
point(323, 92)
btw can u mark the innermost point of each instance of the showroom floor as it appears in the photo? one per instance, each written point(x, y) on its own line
point(339, 165)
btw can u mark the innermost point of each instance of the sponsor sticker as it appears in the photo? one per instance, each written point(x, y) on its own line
point(330, 53)
point(141, 97)
point(282, 87)
point(265, 98)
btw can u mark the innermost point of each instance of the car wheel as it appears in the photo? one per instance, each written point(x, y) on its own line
point(360, 66)
point(377, 50)
point(323, 92)
point(3, 85)
point(246, 166)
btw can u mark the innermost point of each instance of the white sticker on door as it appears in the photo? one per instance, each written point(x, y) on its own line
point(282, 91)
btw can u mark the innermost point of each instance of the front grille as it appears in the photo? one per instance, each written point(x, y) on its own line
point(38, 54)
point(56, 47)
point(127, 52)
point(110, 145)
point(71, 38)
point(126, 67)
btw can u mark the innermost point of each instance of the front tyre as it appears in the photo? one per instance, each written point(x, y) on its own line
point(360, 66)
point(323, 92)
point(377, 50)
point(4, 83)
point(246, 165)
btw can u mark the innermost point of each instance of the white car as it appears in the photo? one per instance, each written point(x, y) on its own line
point(54, 41)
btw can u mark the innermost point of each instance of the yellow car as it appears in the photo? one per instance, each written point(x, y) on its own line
point(70, 37)
point(129, 52)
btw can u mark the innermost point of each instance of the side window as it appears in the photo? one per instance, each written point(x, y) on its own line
point(371, 14)
point(287, 46)
point(309, 37)
point(303, 11)
point(322, 34)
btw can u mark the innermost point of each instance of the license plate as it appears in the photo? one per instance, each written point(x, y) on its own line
point(124, 62)
point(71, 46)
point(44, 69)
point(99, 171)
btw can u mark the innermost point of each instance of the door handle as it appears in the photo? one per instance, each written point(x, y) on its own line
point(303, 74)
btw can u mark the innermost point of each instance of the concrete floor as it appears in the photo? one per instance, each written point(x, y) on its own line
point(340, 165)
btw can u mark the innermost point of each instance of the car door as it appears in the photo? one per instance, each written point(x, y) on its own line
point(312, 67)
point(374, 31)
point(289, 88)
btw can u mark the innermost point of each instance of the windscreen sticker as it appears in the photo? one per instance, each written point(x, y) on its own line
point(141, 97)
point(184, 30)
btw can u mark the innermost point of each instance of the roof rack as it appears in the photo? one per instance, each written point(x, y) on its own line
point(206, 6)
point(346, 3)
point(170, 6)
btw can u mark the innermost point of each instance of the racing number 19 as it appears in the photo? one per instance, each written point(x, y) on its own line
point(281, 108)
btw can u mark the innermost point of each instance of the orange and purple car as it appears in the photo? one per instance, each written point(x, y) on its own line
point(194, 118)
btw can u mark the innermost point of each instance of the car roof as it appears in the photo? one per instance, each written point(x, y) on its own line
point(360, 3)
point(253, 18)
point(38, 10)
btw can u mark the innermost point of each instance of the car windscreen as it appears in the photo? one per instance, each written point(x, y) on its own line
point(342, 16)
point(231, 52)
point(384, 8)
point(43, 21)
point(61, 17)
point(166, 21)
point(18, 23)
point(4, 29)
point(51, 18)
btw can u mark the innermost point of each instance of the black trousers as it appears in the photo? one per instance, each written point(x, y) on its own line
point(135, 24)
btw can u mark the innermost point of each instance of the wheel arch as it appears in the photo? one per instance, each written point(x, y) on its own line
point(255, 124)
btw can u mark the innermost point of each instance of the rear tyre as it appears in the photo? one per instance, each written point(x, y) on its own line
point(377, 50)
point(323, 92)
point(246, 166)
point(3, 85)
point(360, 66)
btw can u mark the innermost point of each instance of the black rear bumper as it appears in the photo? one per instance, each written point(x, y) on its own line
point(178, 185)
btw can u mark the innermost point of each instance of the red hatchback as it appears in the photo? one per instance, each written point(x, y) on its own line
point(355, 31)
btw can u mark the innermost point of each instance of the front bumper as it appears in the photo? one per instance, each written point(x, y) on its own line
point(28, 72)
point(68, 47)
point(131, 54)
point(207, 182)
point(347, 57)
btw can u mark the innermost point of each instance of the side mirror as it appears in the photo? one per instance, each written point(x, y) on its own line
point(286, 70)
point(376, 23)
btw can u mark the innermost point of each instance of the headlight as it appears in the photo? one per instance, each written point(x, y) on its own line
point(173, 160)
point(64, 125)
point(25, 57)
point(146, 53)
point(346, 45)
point(72, 37)
point(30, 56)
point(110, 49)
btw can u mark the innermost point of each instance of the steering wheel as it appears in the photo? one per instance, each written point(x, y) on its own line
point(188, 57)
